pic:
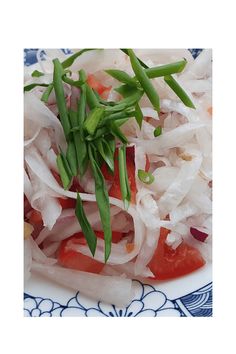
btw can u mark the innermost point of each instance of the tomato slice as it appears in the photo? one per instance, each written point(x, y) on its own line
point(67, 203)
point(115, 190)
point(96, 85)
point(168, 263)
point(35, 217)
point(72, 259)
point(116, 235)
point(57, 177)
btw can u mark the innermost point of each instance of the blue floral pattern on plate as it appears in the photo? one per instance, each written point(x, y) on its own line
point(30, 54)
point(195, 304)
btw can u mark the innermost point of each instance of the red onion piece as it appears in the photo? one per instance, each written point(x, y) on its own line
point(198, 235)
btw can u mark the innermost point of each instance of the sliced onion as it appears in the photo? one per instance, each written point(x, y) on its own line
point(182, 212)
point(180, 186)
point(174, 138)
point(36, 111)
point(38, 255)
point(110, 289)
point(149, 112)
point(200, 67)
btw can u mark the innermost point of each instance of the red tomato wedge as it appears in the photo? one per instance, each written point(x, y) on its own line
point(67, 203)
point(116, 235)
point(70, 258)
point(35, 217)
point(168, 263)
point(97, 86)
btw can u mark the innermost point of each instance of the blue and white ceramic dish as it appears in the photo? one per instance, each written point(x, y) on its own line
point(189, 296)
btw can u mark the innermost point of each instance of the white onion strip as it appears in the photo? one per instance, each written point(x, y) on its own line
point(111, 289)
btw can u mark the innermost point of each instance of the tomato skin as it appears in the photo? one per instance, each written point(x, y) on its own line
point(96, 85)
point(116, 235)
point(76, 187)
point(57, 177)
point(67, 203)
point(169, 264)
point(35, 217)
point(72, 259)
point(105, 93)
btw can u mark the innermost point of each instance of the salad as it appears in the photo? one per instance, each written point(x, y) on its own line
point(117, 168)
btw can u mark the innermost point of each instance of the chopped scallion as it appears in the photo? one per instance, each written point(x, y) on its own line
point(93, 120)
point(144, 81)
point(157, 131)
point(145, 177)
point(174, 85)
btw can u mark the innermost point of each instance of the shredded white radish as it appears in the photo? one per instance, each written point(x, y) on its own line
point(38, 255)
point(176, 192)
point(112, 289)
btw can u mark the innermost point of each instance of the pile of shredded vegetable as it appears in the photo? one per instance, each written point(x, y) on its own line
point(117, 168)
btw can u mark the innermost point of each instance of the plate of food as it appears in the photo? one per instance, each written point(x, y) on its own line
point(118, 182)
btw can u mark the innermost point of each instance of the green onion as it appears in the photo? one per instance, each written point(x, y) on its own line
point(126, 51)
point(100, 132)
point(60, 96)
point(63, 171)
point(71, 82)
point(145, 177)
point(69, 61)
point(71, 157)
point(125, 102)
point(115, 130)
point(97, 156)
point(157, 131)
point(167, 69)
point(120, 122)
point(92, 99)
point(31, 86)
point(124, 182)
point(125, 90)
point(106, 153)
point(112, 143)
point(102, 199)
point(46, 94)
point(144, 81)
point(138, 115)
point(174, 85)
point(116, 116)
point(105, 103)
point(80, 144)
point(93, 120)
point(122, 76)
point(85, 226)
point(37, 73)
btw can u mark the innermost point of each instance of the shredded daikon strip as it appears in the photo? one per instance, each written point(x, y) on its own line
point(112, 289)
point(38, 255)
point(176, 192)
